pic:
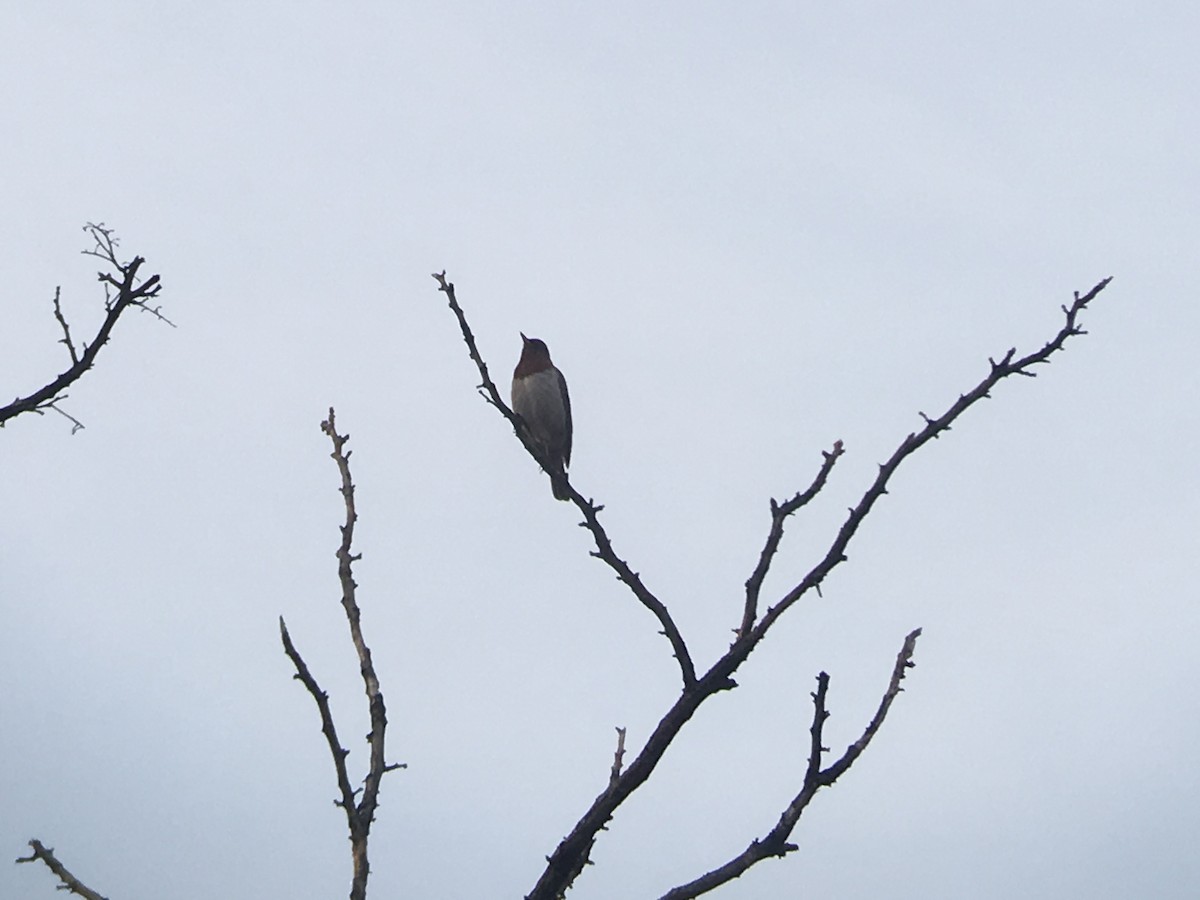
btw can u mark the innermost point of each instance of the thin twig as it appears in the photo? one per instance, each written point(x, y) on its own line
point(70, 883)
point(486, 387)
point(76, 425)
point(604, 549)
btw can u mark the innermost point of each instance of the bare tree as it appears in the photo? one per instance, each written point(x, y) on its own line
point(360, 813)
point(122, 291)
point(567, 861)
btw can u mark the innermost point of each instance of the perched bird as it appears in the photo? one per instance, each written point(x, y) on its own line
point(539, 397)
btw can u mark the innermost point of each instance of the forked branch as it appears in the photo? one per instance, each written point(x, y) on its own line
point(360, 814)
point(1007, 366)
point(779, 514)
point(775, 842)
point(123, 289)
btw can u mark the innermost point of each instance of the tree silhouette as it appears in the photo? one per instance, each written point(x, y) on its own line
point(568, 859)
point(752, 621)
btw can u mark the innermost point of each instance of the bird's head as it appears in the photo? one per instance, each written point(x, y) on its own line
point(535, 356)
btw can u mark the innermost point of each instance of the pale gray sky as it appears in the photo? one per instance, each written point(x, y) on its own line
point(745, 231)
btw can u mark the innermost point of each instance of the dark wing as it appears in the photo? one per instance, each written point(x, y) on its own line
point(566, 399)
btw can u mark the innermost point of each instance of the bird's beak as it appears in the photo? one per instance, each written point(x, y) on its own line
point(523, 338)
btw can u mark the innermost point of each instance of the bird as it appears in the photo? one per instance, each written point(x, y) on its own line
point(539, 397)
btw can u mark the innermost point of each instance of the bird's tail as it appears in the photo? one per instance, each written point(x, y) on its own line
point(558, 484)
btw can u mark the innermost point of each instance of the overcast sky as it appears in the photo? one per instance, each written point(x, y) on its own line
point(745, 231)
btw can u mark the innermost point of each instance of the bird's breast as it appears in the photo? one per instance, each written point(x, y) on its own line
point(538, 400)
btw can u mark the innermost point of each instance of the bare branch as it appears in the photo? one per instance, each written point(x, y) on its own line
point(1007, 366)
point(904, 662)
point(358, 816)
point(328, 728)
point(779, 513)
point(104, 243)
point(70, 883)
point(604, 549)
point(366, 808)
point(76, 425)
point(775, 842)
point(129, 293)
point(487, 387)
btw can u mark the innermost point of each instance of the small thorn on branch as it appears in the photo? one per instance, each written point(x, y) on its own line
point(618, 759)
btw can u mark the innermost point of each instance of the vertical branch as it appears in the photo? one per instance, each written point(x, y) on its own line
point(375, 739)
point(360, 815)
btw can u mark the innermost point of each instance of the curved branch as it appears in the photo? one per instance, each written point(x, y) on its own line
point(375, 739)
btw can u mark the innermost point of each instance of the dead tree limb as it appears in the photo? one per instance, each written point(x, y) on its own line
point(69, 882)
point(360, 814)
point(122, 290)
